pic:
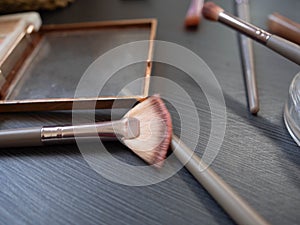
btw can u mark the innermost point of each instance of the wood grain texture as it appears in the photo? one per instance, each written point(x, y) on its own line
point(258, 158)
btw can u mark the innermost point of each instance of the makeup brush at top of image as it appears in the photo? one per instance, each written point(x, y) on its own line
point(194, 15)
point(146, 129)
point(288, 49)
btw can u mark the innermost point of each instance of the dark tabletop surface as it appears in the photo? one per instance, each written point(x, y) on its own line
point(258, 158)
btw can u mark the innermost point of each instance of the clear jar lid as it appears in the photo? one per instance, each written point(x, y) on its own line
point(292, 110)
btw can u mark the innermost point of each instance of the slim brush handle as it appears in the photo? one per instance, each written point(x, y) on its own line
point(248, 58)
point(231, 202)
point(249, 73)
point(20, 137)
point(284, 27)
point(125, 128)
point(285, 48)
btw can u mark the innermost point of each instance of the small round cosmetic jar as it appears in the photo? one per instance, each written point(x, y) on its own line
point(292, 109)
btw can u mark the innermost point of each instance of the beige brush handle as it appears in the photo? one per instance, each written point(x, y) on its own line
point(125, 128)
point(232, 203)
point(20, 137)
point(39, 136)
point(286, 48)
point(284, 27)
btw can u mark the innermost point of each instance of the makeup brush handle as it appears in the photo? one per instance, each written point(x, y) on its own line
point(126, 128)
point(285, 48)
point(231, 202)
point(20, 137)
point(29, 137)
point(284, 27)
point(249, 73)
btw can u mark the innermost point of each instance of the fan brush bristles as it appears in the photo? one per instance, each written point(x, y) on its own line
point(155, 130)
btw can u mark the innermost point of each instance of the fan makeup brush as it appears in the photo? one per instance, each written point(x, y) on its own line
point(146, 129)
point(288, 49)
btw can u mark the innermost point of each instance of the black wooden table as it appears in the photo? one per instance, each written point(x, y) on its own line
point(258, 158)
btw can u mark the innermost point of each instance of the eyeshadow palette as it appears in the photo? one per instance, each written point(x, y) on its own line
point(42, 69)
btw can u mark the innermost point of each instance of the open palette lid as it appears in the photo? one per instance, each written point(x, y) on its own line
point(41, 68)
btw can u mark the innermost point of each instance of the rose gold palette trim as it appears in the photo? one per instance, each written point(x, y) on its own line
point(48, 104)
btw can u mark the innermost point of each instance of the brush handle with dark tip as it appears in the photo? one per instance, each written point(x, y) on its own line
point(232, 203)
point(285, 48)
point(282, 46)
point(20, 137)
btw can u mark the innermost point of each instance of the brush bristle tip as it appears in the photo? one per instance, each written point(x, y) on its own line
point(155, 131)
point(211, 11)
